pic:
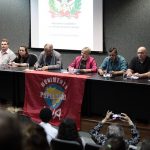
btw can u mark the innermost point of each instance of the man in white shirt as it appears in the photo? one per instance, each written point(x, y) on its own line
point(6, 54)
point(46, 116)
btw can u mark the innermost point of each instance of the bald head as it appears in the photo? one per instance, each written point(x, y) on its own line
point(142, 53)
point(48, 48)
point(142, 49)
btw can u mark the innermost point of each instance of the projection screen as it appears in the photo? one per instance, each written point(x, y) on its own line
point(67, 24)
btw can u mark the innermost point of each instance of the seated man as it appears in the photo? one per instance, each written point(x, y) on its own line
point(48, 59)
point(6, 54)
point(84, 63)
point(114, 63)
point(140, 65)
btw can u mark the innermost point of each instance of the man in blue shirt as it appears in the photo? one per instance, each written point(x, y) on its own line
point(114, 63)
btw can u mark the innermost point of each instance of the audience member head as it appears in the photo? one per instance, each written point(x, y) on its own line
point(45, 114)
point(85, 52)
point(115, 143)
point(10, 132)
point(68, 130)
point(145, 145)
point(112, 52)
point(48, 48)
point(115, 130)
point(24, 120)
point(35, 137)
point(142, 53)
point(4, 45)
point(23, 51)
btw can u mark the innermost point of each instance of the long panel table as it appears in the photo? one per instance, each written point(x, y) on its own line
point(100, 94)
point(118, 95)
point(12, 85)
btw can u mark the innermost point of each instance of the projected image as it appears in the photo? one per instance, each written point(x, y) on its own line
point(68, 24)
point(65, 8)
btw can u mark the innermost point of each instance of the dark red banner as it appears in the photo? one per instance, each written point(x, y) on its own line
point(62, 93)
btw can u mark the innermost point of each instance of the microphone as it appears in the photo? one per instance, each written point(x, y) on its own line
point(107, 67)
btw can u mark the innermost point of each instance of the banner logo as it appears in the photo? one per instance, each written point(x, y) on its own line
point(53, 93)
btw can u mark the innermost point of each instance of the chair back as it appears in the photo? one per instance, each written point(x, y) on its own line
point(92, 146)
point(32, 59)
point(58, 144)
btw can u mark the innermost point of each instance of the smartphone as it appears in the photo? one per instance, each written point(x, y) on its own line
point(116, 116)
